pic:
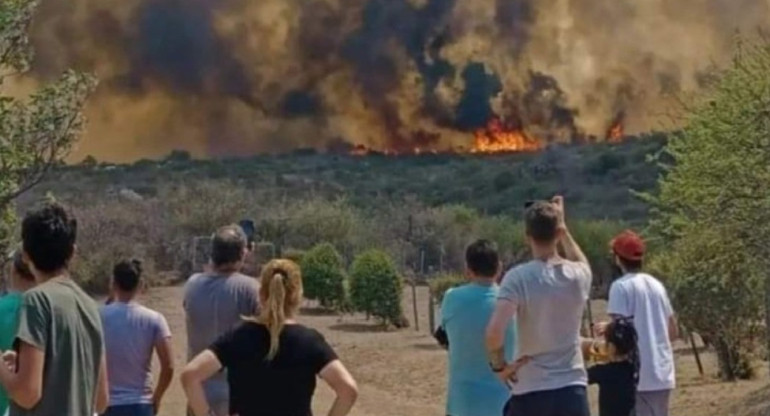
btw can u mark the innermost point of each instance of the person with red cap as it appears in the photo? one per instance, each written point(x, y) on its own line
point(642, 298)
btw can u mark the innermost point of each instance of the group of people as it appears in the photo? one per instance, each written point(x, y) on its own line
point(515, 342)
point(63, 354)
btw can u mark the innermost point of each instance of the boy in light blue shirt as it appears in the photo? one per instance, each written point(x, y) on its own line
point(473, 388)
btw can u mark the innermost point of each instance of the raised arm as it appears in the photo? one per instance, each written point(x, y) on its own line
point(195, 373)
point(571, 248)
point(339, 379)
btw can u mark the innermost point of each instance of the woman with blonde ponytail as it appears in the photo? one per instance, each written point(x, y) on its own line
point(272, 361)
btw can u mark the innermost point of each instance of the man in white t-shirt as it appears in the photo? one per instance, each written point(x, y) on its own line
point(547, 295)
point(643, 298)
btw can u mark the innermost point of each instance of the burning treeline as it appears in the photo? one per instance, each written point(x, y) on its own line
point(223, 77)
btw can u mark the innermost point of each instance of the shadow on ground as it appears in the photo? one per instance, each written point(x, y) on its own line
point(358, 328)
point(316, 311)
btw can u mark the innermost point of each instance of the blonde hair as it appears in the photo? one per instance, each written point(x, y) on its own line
point(281, 295)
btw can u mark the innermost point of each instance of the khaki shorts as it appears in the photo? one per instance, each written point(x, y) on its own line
point(652, 403)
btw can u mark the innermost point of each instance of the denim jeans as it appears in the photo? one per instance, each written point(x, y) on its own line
point(130, 410)
point(567, 401)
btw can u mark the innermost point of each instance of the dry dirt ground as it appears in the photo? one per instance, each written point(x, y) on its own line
point(403, 373)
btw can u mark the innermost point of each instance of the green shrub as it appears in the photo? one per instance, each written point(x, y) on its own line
point(294, 255)
point(324, 276)
point(440, 285)
point(376, 287)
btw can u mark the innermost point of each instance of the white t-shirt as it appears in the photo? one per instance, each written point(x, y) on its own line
point(549, 299)
point(643, 298)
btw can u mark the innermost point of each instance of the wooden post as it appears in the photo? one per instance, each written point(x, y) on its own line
point(414, 305)
point(431, 312)
point(696, 354)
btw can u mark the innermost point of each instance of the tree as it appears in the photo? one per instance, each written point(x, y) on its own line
point(376, 287)
point(713, 205)
point(38, 132)
point(323, 275)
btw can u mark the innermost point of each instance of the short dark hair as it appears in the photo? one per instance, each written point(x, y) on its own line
point(542, 222)
point(630, 265)
point(127, 274)
point(48, 236)
point(482, 259)
point(21, 268)
point(228, 245)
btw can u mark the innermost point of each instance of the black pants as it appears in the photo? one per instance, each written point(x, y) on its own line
point(568, 401)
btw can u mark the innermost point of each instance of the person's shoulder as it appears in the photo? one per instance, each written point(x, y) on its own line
point(37, 294)
point(9, 302)
point(245, 282)
point(576, 268)
point(457, 291)
point(193, 280)
point(150, 314)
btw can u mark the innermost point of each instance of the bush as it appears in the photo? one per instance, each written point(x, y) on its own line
point(324, 276)
point(594, 238)
point(717, 295)
point(294, 255)
point(376, 287)
point(440, 285)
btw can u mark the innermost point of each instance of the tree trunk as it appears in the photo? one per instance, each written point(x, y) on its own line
point(725, 360)
point(767, 315)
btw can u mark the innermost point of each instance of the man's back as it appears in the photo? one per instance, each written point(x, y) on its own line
point(549, 299)
point(131, 332)
point(60, 320)
point(643, 298)
point(213, 305)
point(473, 387)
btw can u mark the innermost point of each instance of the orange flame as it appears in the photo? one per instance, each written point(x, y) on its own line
point(496, 138)
point(615, 133)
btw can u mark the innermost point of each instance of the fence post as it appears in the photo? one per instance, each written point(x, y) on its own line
point(696, 354)
point(414, 305)
point(431, 312)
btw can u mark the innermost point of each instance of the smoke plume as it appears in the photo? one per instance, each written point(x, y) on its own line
point(231, 77)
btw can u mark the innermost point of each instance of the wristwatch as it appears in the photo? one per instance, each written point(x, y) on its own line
point(497, 369)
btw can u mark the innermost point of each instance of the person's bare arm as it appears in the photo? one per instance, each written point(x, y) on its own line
point(25, 386)
point(195, 373)
point(495, 335)
point(673, 328)
point(164, 349)
point(339, 379)
point(102, 388)
point(572, 251)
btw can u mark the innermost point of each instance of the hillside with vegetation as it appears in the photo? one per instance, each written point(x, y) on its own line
point(596, 179)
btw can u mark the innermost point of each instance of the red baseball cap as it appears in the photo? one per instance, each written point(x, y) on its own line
point(629, 246)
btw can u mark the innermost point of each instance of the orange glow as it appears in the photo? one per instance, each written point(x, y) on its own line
point(359, 150)
point(615, 133)
point(496, 138)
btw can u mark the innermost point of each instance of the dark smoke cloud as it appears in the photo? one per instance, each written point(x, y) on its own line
point(223, 77)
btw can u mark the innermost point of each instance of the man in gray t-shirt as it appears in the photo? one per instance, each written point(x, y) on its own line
point(547, 295)
point(215, 302)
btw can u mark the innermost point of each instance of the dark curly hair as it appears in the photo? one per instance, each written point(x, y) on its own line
point(622, 334)
point(127, 275)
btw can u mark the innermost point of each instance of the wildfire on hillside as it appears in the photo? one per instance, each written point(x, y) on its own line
point(615, 132)
point(498, 137)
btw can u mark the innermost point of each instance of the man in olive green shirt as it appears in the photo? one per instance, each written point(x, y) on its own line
point(60, 367)
point(21, 280)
